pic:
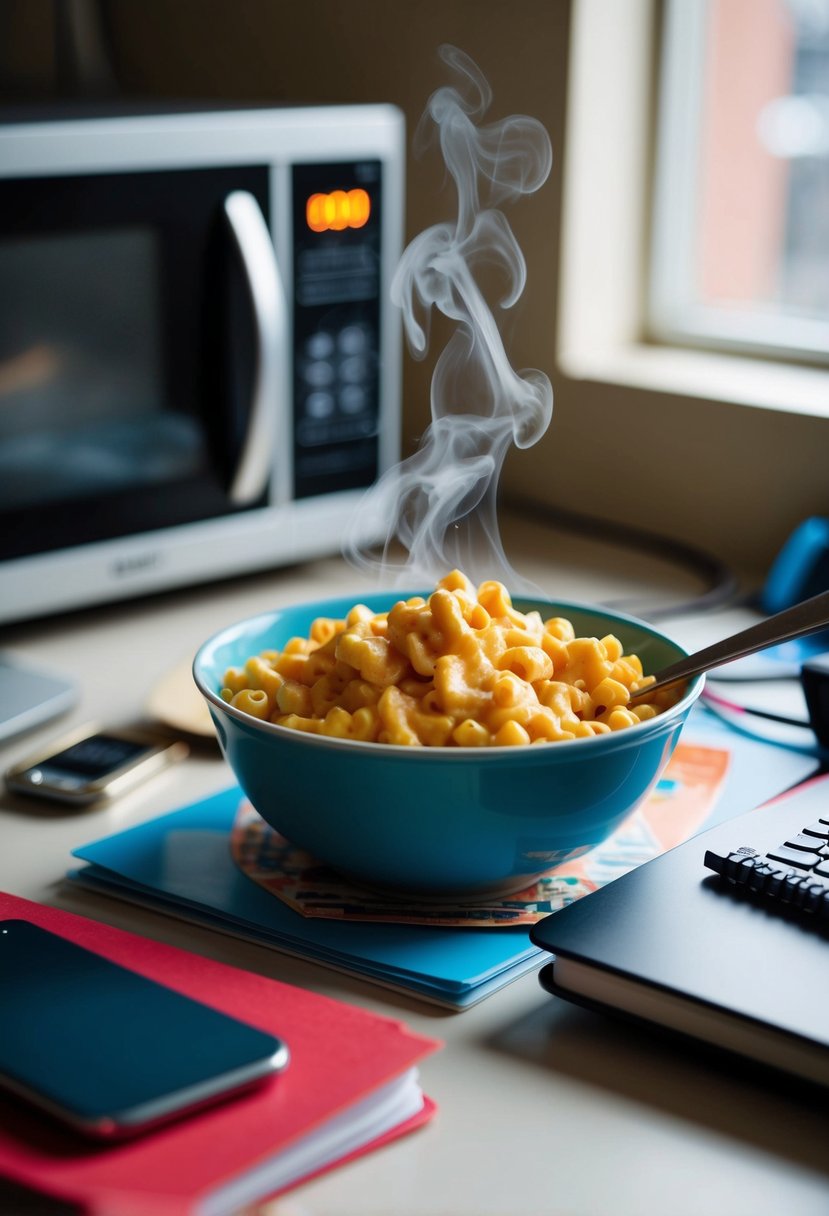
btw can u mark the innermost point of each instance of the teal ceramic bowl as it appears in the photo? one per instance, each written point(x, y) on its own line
point(458, 822)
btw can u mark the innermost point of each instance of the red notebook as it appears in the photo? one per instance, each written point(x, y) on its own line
point(350, 1087)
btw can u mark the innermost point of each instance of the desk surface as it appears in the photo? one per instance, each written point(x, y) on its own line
point(544, 1108)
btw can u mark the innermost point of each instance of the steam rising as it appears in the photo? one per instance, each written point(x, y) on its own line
point(440, 504)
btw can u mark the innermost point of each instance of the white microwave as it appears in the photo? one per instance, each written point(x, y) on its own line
point(199, 362)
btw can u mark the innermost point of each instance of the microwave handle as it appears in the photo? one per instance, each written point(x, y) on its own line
point(270, 315)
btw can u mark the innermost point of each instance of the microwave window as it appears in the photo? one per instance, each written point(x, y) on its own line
point(83, 409)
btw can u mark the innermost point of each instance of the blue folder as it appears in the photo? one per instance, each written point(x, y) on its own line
point(181, 863)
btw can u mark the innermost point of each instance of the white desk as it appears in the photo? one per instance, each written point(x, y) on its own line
point(544, 1108)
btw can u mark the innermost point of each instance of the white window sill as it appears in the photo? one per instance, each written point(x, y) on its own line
point(712, 376)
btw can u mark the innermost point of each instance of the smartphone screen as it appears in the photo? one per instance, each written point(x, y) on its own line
point(91, 759)
point(86, 768)
point(108, 1051)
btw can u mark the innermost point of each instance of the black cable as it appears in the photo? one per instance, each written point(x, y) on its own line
point(722, 585)
point(736, 723)
point(718, 702)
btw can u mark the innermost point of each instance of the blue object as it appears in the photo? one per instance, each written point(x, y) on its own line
point(801, 568)
point(181, 864)
point(63, 1019)
point(451, 821)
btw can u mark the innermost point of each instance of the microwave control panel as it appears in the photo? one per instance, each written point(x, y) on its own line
point(337, 210)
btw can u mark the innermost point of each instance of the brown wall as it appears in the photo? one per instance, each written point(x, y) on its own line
point(375, 50)
point(367, 50)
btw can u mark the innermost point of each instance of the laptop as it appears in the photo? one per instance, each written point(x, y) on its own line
point(724, 939)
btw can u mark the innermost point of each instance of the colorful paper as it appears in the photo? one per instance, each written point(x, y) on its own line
point(180, 864)
point(676, 809)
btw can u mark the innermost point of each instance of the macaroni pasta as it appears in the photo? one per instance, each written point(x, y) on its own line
point(463, 668)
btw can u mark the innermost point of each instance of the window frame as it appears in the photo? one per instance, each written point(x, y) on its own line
point(672, 315)
point(603, 329)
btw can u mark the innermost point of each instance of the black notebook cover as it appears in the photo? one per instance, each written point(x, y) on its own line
point(672, 943)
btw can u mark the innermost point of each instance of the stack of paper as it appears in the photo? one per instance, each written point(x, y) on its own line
point(181, 863)
point(350, 1086)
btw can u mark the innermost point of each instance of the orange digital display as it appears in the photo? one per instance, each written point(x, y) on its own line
point(338, 210)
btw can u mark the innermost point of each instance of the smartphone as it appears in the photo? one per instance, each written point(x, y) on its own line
point(90, 765)
point(109, 1052)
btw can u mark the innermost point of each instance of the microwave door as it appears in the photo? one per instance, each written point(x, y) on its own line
point(252, 240)
point(143, 355)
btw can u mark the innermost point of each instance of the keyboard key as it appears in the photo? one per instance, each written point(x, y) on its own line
point(789, 888)
point(808, 895)
point(727, 866)
point(760, 876)
point(794, 857)
point(813, 896)
point(819, 829)
point(807, 843)
point(774, 882)
point(741, 869)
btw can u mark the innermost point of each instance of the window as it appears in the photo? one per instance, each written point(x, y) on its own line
point(740, 256)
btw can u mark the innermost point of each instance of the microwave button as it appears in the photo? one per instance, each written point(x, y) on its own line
point(319, 405)
point(353, 340)
point(319, 374)
point(353, 399)
point(313, 433)
point(320, 345)
point(354, 370)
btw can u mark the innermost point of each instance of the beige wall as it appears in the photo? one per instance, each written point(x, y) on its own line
point(720, 476)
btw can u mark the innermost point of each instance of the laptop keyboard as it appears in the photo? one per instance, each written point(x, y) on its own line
point(796, 873)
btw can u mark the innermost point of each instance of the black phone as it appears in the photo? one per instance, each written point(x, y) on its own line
point(109, 1052)
point(89, 765)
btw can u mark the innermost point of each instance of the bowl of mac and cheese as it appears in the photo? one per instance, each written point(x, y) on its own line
point(447, 742)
